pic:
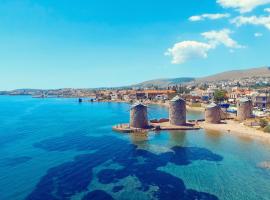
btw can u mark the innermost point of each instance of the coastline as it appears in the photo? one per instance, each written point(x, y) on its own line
point(238, 129)
point(228, 127)
point(189, 108)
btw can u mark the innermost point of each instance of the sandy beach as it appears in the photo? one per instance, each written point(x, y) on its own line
point(159, 103)
point(236, 128)
point(189, 108)
point(199, 109)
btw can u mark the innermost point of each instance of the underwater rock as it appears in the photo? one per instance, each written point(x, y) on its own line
point(67, 179)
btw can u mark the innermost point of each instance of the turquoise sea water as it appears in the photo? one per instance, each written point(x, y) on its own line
point(59, 149)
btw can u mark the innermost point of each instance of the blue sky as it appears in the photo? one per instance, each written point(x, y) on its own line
point(96, 43)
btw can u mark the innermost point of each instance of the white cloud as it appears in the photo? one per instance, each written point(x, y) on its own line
point(195, 18)
point(258, 34)
point(242, 6)
point(253, 20)
point(267, 10)
point(208, 16)
point(221, 37)
point(186, 50)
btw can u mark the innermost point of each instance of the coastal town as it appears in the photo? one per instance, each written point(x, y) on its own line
point(198, 96)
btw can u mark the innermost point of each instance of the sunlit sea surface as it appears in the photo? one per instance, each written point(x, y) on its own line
point(60, 149)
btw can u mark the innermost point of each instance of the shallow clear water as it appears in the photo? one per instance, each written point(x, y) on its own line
point(59, 149)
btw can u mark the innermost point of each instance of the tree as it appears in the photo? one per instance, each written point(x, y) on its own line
point(220, 95)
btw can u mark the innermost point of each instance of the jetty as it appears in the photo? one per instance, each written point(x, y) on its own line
point(139, 119)
point(162, 126)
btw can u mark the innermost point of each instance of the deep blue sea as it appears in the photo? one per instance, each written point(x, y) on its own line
point(60, 149)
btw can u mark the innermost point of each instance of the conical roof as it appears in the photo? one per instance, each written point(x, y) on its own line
point(138, 104)
point(177, 98)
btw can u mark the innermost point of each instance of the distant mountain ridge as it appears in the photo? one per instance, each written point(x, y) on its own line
point(164, 82)
point(237, 74)
point(228, 75)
